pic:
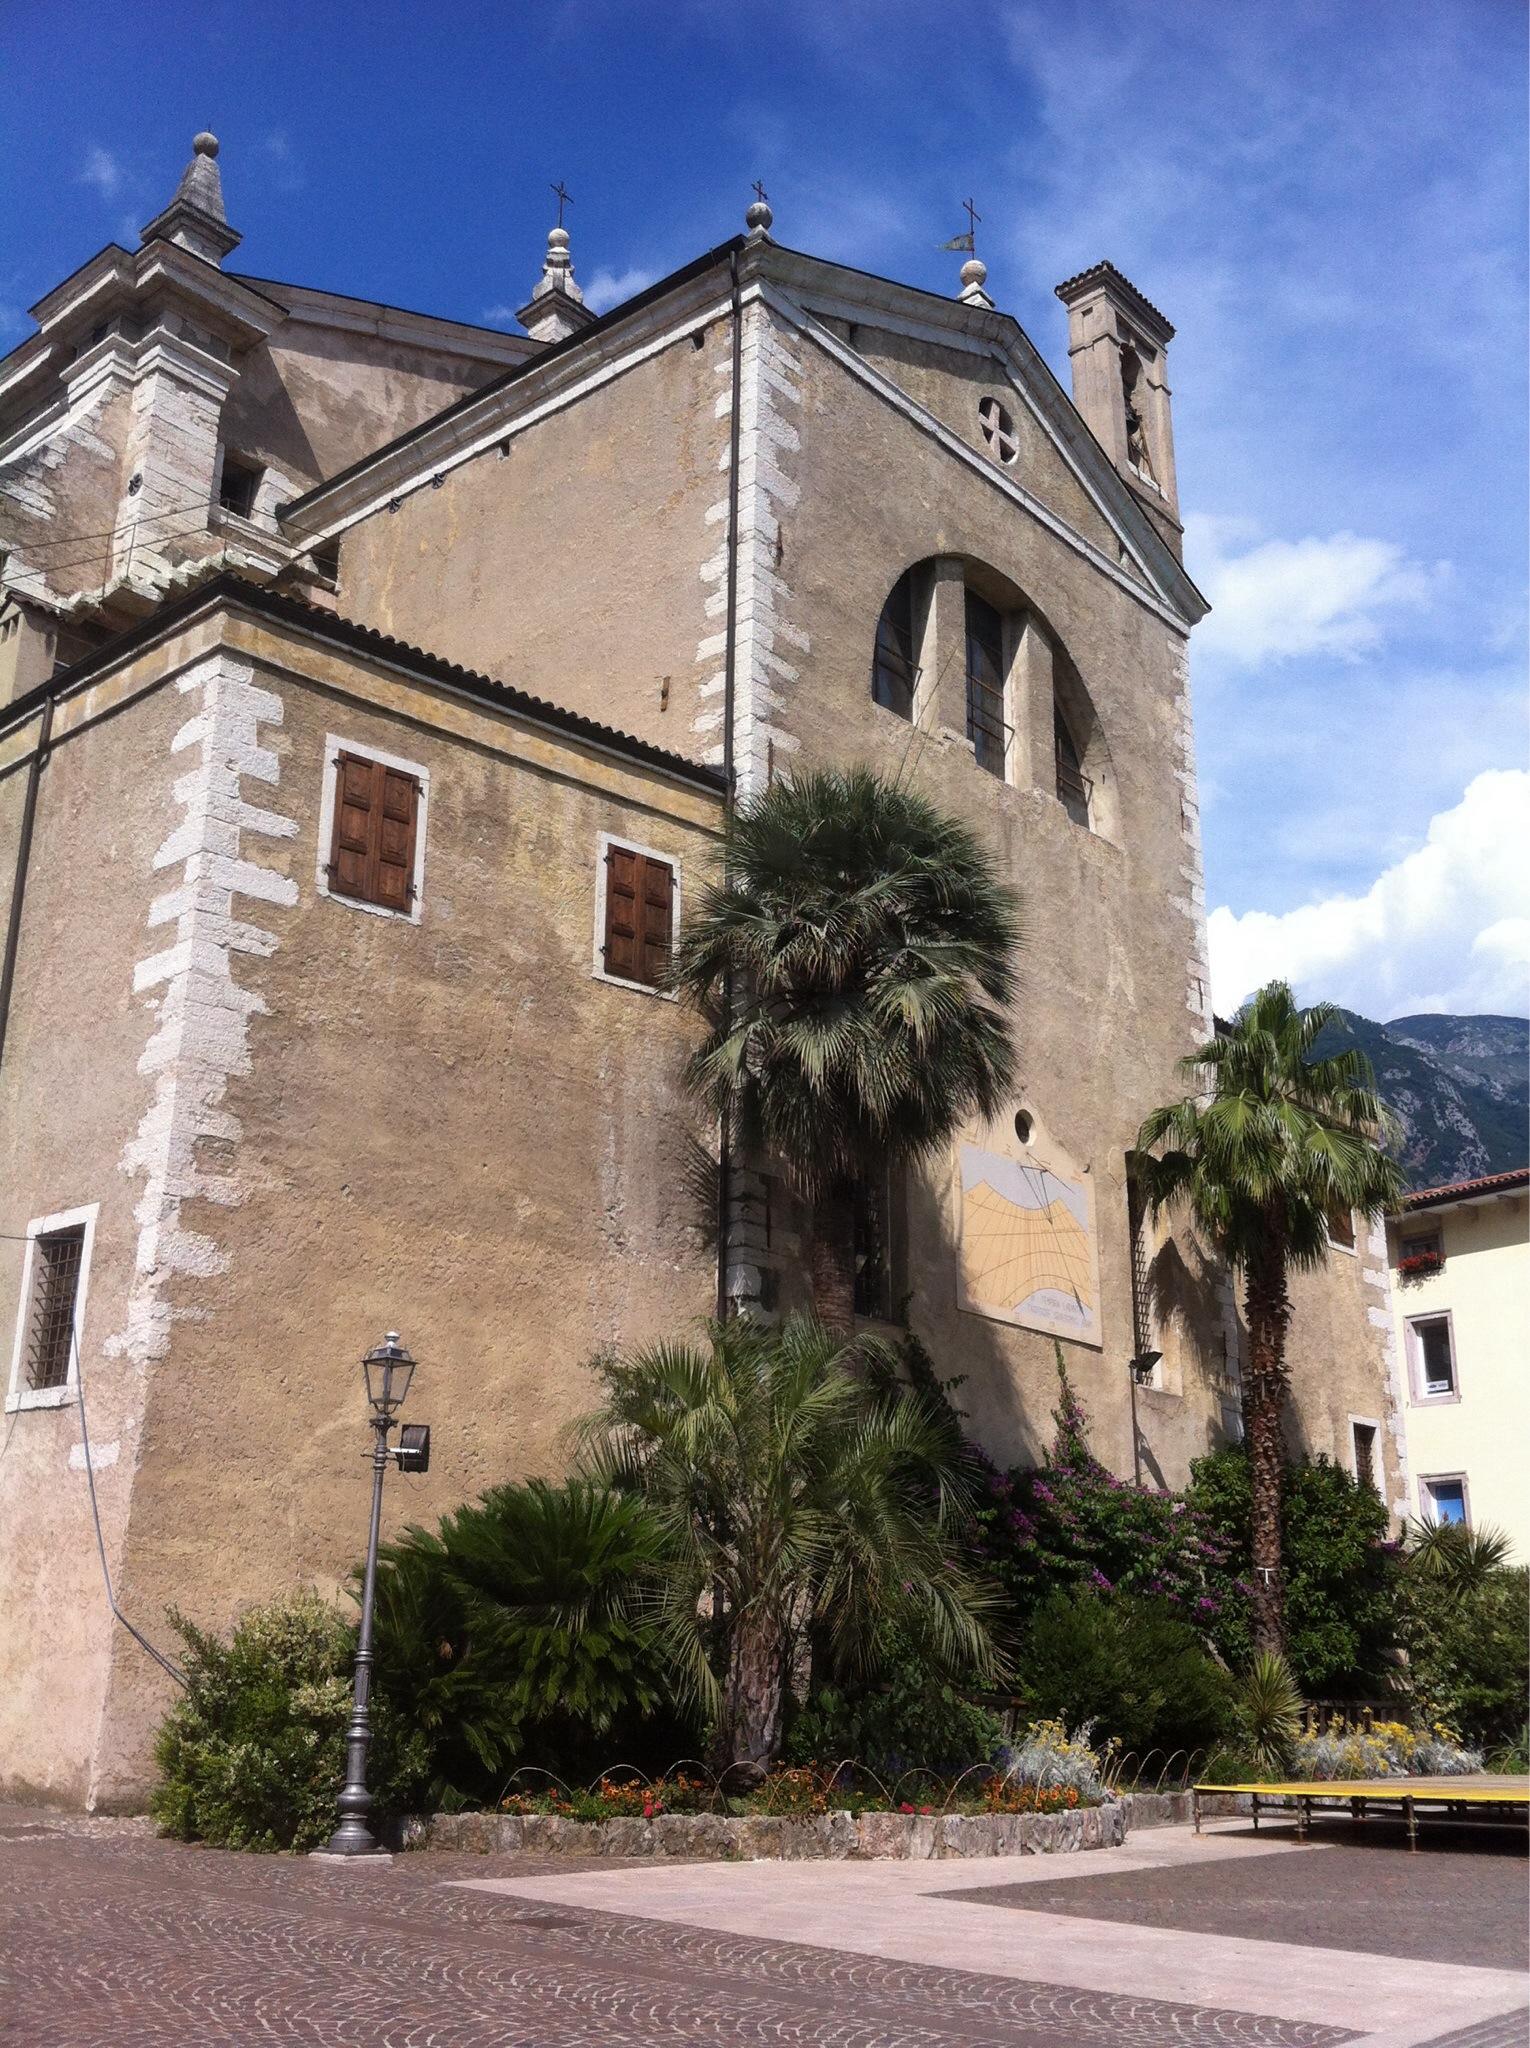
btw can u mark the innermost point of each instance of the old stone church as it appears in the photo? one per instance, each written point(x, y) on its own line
point(372, 688)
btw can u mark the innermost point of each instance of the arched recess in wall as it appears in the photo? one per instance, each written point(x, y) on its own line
point(960, 644)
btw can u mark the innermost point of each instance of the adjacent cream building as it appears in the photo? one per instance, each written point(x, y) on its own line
point(372, 692)
point(1460, 1260)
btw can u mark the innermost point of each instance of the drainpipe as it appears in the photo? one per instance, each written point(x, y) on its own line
point(730, 656)
point(23, 856)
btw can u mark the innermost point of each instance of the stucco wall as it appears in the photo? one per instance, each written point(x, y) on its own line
point(70, 1102)
point(312, 400)
point(451, 1127)
point(571, 566)
point(1482, 1431)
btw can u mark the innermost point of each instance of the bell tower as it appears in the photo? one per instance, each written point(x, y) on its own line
point(1118, 349)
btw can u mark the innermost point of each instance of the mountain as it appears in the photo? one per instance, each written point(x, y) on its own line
point(1457, 1086)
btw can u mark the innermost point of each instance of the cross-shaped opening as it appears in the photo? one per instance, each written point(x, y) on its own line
point(998, 429)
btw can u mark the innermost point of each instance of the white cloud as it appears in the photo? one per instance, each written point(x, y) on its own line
point(499, 316)
point(102, 170)
point(1447, 928)
point(608, 287)
point(1277, 599)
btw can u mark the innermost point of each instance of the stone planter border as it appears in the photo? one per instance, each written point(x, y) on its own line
point(846, 1837)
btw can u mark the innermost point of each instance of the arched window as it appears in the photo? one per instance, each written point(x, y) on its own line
point(1072, 783)
point(893, 669)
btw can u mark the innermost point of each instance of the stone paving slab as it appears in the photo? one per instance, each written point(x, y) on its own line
point(932, 1913)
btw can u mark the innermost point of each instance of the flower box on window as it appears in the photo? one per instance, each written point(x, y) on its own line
point(1415, 1265)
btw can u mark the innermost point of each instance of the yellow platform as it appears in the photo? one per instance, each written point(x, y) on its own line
point(1358, 1794)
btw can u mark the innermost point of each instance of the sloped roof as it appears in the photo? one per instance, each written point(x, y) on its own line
point(1468, 1190)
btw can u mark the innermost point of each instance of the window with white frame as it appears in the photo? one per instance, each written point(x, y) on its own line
point(1432, 1353)
point(55, 1273)
point(1444, 1498)
point(372, 830)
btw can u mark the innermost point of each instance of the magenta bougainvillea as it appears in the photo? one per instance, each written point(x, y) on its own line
point(1070, 1521)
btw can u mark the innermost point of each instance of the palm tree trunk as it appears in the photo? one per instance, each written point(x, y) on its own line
point(1268, 1308)
point(749, 1727)
point(831, 1260)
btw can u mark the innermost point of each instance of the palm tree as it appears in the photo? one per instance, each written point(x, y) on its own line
point(802, 1491)
point(1455, 1555)
point(854, 961)
point(1274, 1145)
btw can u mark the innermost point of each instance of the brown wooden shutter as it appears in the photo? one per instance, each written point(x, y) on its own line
point(639, 916)
point(372, 852)
point(622, 878)
point(658, 890)
point(394, 875)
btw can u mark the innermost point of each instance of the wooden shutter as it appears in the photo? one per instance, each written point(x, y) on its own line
point(376, 814)
point(639, 916)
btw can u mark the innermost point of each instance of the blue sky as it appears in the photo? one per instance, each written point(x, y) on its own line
point(1327, 200)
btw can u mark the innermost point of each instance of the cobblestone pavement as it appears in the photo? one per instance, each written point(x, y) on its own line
point(108, 1936)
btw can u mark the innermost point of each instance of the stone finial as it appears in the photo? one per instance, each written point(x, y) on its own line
point(974, 277)
point(759, 216)
point(556, 309)
point(195, 219)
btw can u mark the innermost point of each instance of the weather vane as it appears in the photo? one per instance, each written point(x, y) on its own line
point(967, 241)
point(563, 198)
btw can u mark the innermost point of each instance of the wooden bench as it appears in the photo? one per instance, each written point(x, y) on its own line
point(1491, 1799)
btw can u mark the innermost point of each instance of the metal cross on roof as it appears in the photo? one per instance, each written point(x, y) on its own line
point(563, 198)
point(973, 217)
point(760, 193)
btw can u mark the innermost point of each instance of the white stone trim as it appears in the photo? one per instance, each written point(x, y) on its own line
point(604, 841)
point(18, 1396)
point(202, 1035)
point(1382, 1319)
point(334, 746)
point(1192, 904)
point(764, 637)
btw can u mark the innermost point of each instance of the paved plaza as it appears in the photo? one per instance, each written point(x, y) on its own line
point(111, 1936)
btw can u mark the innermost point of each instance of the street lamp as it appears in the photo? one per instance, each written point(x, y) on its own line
point(387, 1368)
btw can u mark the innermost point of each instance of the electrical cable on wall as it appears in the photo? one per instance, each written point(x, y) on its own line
point(137, 1634)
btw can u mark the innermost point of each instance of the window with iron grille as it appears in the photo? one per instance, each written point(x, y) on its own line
point(893, 671)
point(49, 1343)
point(986, 725)
point(1072, 782)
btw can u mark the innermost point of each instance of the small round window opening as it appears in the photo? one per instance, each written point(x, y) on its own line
point(1022, 1127)
point(998, 426)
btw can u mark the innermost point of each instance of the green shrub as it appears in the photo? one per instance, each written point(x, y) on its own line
point(512, 1636)
point(907, 1718)
point(253, 1754)
point(1466, 1653)
point(1340, 1573)
point(1132, 1668)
